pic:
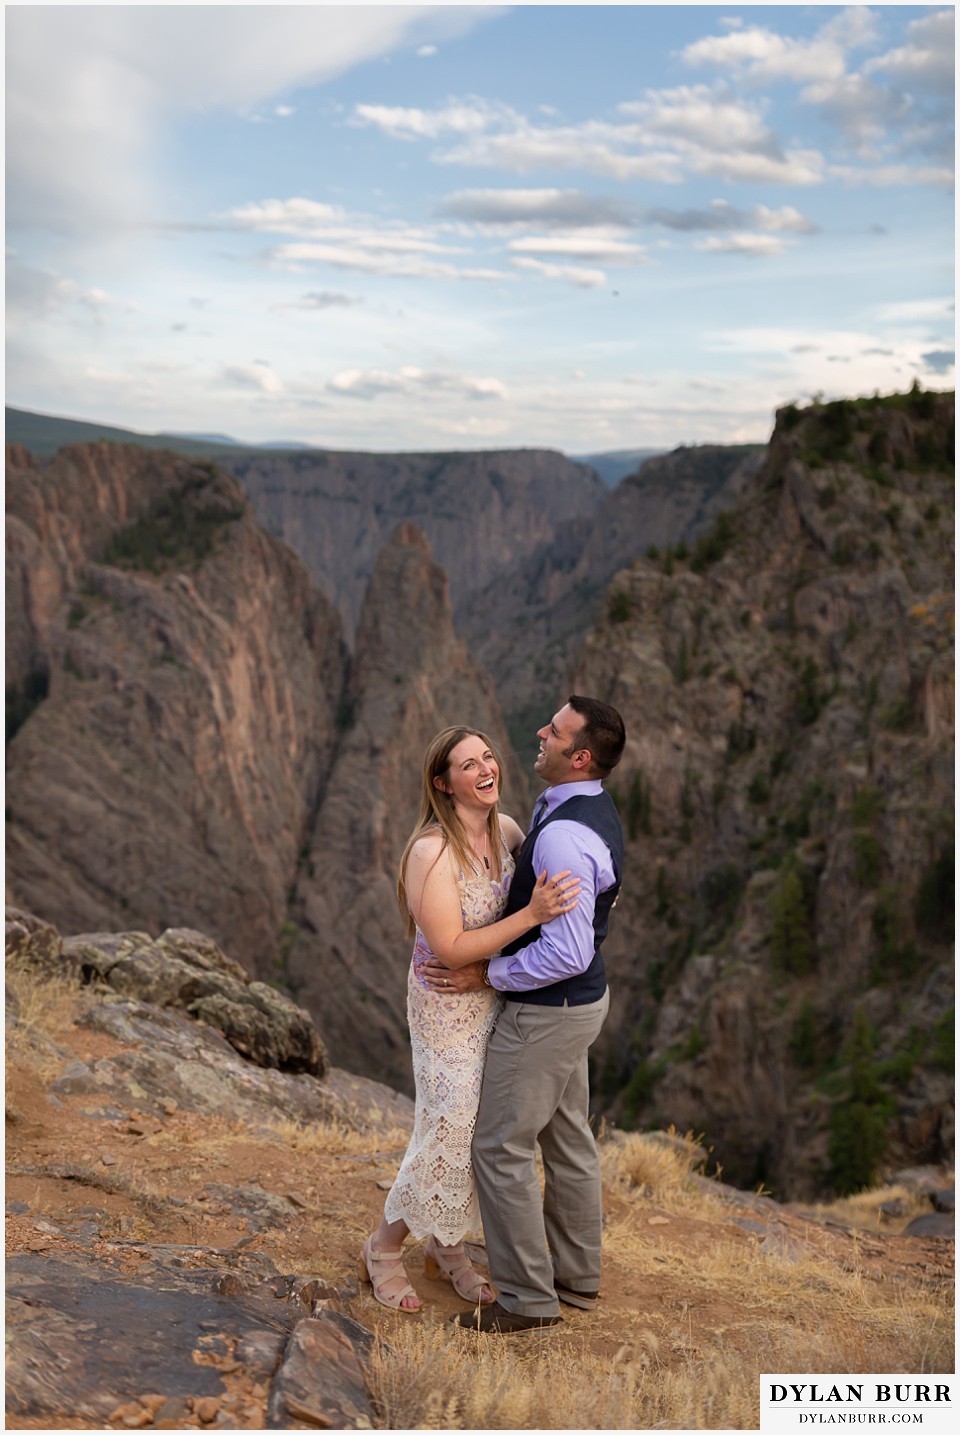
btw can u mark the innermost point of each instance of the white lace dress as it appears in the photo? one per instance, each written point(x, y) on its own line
point(434, 1192)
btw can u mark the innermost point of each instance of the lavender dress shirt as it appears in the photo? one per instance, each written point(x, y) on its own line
point(565, 946)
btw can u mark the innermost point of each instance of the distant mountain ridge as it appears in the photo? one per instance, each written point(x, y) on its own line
point(617, 463)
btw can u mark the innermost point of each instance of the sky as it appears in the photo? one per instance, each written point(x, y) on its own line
point(409, 227)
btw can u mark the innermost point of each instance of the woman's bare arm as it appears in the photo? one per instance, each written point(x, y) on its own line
point(434, 899)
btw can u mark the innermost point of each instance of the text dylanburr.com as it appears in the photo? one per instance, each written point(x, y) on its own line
point(813, 1402)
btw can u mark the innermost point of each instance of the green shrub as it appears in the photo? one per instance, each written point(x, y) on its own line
point(759, 789)
point(740, 739)
point(866, 859)
point(897, 716)
point(710, 547)
point(804, 1047)
point(722, 890)
point(809, 700)
point(896, 956)
point(943, 1049)
point(177, 530)
point(934, 905)
point(619, 607)
point(792, 938)
point(858, 1120)
point(867, 804)
point(638, 806)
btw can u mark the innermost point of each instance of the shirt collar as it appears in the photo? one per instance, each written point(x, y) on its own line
point(591, 787)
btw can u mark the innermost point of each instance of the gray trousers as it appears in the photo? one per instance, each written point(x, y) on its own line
point(535, 1090)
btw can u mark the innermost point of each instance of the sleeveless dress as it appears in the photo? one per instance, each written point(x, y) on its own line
point(434, 1192)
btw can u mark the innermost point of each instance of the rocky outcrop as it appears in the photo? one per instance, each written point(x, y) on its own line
point(411, 677)
point(185, 681)
point(194, 1032)
point(483, 514)
point(788, 793)
point(527, 625)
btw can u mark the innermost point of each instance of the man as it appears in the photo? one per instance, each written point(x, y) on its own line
point(535, 1085)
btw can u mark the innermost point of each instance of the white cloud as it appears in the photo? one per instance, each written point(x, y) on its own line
point(375, 255)
point(469, 116)
point(570, 273)
point(409, 379)
point(569, 208)
point(722, 215)
point(426, 50)
point(760, 56)
point(753, 246)
point(318, 300)
point(693, 128)
point(889, 176)
point(89, 85)
point(580, 246)
point(259, 376)
point(286, 216)
point(927, 59)
point(34, 294)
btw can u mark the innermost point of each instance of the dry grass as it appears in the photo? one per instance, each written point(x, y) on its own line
point(44, 1005)
point(335, 1138)
point(863, 1210)
point(658, 1171)
point(429, 1377)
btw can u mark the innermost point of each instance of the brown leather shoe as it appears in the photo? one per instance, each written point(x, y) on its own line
point(494, 1320)
point(584, 1300)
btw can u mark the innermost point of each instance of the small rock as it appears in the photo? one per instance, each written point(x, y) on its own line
point(207, 1409)
point(107, 1159)
point(168, 1105)
point(943, 1200)
point(658, 1220)
point(229, 1285)
point(932, 1225)
point(132, 1407)
point(153, 1403)
point(384, 1185)
point(296, 1199)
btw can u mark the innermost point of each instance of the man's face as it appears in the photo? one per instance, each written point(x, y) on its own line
point(559, 759)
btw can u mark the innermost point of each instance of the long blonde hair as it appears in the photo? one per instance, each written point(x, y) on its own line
point(437, 810)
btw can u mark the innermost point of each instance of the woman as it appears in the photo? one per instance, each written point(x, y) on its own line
point(454, 878)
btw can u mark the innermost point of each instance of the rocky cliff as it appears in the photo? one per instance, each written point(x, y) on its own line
point(190, 745)
point(410, 677)
point(528, 624)
point(782, 952)
point(483, 513)
point(173, 689)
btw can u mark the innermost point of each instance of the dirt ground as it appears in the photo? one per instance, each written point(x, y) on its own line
point(670, 1288)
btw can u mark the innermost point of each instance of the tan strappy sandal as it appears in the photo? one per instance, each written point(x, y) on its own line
point(453, 1264)
point(373, 1269)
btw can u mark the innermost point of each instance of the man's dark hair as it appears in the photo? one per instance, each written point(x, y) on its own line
point(602, 734)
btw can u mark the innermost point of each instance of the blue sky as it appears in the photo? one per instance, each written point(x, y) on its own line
point(431, 227)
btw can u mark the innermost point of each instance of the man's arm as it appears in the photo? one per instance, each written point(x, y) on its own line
point(565, 946)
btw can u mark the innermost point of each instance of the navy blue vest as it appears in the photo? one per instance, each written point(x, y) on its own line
point(600, 815)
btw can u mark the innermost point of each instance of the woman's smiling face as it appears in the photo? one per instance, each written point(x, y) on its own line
point(473, 777)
